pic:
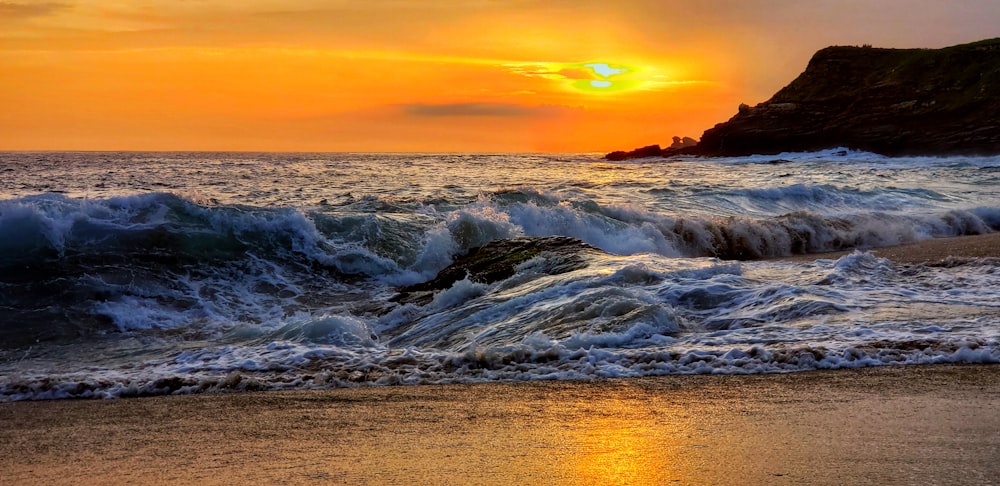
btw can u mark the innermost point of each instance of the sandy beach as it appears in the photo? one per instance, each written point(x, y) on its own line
point(886, 425)
point(890, 425)
point(634, 242)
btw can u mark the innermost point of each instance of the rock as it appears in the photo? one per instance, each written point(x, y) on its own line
point(680, 143)
point(616, 155)
point(647, 151)
point(499, 260)
point(888, 101)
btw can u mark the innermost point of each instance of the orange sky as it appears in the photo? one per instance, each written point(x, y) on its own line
point(428, 75)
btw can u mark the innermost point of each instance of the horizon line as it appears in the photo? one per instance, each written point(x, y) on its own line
point(216, 151)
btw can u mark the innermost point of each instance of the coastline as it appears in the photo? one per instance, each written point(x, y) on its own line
point(933, 250)
point(916, 102)
point(909, 424)
point(888, 424)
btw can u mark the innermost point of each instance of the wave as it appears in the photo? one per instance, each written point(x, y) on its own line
point(846, 155)
point(157, 227)
point(839, 220)
point(827, 198)
point(309, 368)
point(160, 262)
point(641, 316)
point(627, 230)
point(305, 278)
point(610, 317)
point(74, 267)
point(803, 232)
point(170, 230)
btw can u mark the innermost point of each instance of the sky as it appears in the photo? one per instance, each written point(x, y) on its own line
point(422, 76)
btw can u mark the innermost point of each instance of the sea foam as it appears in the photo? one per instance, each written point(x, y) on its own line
point(280, 271)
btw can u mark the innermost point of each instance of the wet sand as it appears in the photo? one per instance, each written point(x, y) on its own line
point(889, 425)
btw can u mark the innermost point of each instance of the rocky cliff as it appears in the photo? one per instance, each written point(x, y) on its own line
point(889, 101)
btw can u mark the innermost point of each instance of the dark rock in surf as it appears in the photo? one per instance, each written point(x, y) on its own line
point(499, 260)
point(648, 151)
point(889, 101)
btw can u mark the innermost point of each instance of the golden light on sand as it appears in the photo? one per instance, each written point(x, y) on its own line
point(618, 441)
point(615, 454)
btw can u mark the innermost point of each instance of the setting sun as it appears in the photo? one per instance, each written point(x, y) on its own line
point(457, 75)
point(559, 242)
point(325, 76)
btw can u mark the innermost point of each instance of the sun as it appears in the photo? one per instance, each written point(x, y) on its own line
point(593, 77)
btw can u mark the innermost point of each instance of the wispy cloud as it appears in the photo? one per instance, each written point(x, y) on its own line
point(13, 11)
point(482, 110)
point(552, 70)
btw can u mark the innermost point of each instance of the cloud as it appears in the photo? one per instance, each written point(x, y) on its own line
point(482, 110)
point(557, 70)
point(11, 10)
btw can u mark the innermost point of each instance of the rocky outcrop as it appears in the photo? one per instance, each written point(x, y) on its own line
point(888, 101)
point(499, 260)
point(684, 142)
point(641, 152)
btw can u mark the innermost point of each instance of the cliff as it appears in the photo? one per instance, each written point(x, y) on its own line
point(889, 101)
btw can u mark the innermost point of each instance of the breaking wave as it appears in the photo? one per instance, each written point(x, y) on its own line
point(159, 292)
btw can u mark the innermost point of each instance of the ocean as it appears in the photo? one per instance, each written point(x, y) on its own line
point(136, 274)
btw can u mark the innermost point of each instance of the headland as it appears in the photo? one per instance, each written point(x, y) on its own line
point(895, 102)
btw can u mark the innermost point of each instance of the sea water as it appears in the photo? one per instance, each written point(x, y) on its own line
point(126, 274)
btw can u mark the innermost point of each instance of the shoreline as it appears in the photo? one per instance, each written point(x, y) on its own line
point(929, 251)
point(914, 424)
point(893, 424)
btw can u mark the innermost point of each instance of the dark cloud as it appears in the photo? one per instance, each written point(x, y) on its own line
point(11, 10)
point(481, 109)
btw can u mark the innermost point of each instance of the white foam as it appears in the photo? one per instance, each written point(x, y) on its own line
point(610, 235)
point(460, 292)
point(537, 359)
point(477, 225)
point(287, 282)
point(133, 313)
point(337, 330)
